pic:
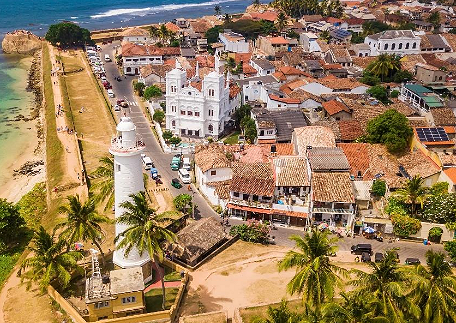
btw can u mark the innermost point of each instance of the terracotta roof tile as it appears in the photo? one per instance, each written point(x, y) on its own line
point(327, 159)
point(211, 156)
point(443, 117)
point(332, 187)
point(451, 173)
point(358, 157)
point(335, 106)
point(291, 171)
point(135, 31)
point(350, 130)
point(255, 179)
point(172, 27)
point(313, 136)
point(284, 100)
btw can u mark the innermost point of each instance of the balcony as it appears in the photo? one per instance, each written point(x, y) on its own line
point(126, 146)
point(291, 208)
point(332, 211)
point(255, 204)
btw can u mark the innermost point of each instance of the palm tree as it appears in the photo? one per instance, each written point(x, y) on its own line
point(413, 193)
point(154, 32)
point(355, 307)
point(164, 33)
point(218, 10)
point(386, 65)
point(281, 21)
point(386, 283)
point(281, 314)
point(103, 188)
point(143, 232)
point(49, 261)
point(434, 289)
point(82, 222)
point(315, 278)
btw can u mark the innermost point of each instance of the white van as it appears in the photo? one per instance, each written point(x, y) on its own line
point(186, 164)
point(111, 93)
point(107, 58)
point(184, 175)
point(147, 162)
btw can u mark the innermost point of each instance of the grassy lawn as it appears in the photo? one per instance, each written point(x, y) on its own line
point(154, 299)
point(54, 149)
point(232, 139)
point(93, 123)
point(250, 314)
point(171, 276)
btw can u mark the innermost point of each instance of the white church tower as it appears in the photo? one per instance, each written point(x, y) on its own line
point(128, 179)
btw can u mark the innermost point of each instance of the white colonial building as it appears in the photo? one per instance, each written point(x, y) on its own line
point(197, 108)
point(399, 42)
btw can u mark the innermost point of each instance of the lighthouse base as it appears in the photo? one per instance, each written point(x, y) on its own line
point(123, 262)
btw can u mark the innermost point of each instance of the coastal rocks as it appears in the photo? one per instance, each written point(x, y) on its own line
point(29, 168)
point(21, 42)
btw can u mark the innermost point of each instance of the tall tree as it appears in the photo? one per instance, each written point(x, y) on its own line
point(144, 232)
point(218, 10)
point(316, 277)
point(434, 289)
point(227, 18)
point(11, 223)
point(385, 65)
point(82, 222)
point(182, 202)
point(68, 34)
point(49, 261)
point(413, 193)
point(103, 187)
point(281, 21)
point(387, 284)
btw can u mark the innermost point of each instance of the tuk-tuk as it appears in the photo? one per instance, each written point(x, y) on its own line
point(175, 183)
point(154, 173)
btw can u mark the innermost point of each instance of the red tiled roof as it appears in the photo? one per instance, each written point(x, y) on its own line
point(267, 15)
point(335, 106)
point(451, 173)
point(358, 158)
point(131, 50)
point(279, 40)
point(350, 130)
point(255, 179)
point(172, 27)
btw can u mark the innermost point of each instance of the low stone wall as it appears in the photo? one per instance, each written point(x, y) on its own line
point(213, 317)
point(447, 235)
point(65, 305)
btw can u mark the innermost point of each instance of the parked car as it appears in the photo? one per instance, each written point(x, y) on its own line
point(117, 107)
point(111, 93)
point(412, 261)
point(154, 173)
point(184, 175)
point(175, 183)
point(360, 248)
point(107, 58)
point(176, 162)
point(365, 257)
point(378, 257)
point(186, 164)
point(147, 162)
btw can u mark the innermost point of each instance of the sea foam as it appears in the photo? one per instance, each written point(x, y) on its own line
point(152, 10)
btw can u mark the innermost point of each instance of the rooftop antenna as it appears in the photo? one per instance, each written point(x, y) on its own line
point(95, 264)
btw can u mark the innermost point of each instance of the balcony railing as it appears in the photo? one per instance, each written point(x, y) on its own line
point(260, 205)
point(332, 211)
point(117, 145)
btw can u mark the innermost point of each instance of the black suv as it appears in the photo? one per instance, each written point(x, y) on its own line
point(360, 248)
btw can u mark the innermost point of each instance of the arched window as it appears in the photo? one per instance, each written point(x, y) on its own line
point(400, 45)
point(211, 92)
point(210, 128)
point(407, 46)
point(173, 123)
point(414, 45)
point(385, 47)
point(393, 46)
point(128, 69)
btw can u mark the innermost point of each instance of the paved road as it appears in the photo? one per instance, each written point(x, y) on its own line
point(123, 90)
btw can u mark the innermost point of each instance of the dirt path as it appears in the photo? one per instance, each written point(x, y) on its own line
point(73, 163)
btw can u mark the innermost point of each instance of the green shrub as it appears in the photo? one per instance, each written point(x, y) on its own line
point(379, 188)
point(435, 232)
point(395, 206)
point(394, 93)
point(175, 140)
point(404, 226)
point(159, 116)
point(167, 135)
point(450, 247)
point(253, 231)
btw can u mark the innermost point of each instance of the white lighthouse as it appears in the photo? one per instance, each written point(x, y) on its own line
point(128, 179)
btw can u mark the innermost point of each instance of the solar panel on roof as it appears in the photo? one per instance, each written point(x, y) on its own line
point(432, 134)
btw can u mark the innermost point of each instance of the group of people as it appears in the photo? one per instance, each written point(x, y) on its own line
point(59, 112)
point(67, 130)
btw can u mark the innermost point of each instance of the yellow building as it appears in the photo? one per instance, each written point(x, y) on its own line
point(121, 294)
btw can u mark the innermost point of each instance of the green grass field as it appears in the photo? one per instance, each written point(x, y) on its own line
point(232, 139)
point(154, 299)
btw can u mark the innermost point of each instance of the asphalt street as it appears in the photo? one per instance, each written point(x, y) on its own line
point(124, 90)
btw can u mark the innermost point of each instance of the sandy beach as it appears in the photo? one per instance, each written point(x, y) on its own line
point(22, 144)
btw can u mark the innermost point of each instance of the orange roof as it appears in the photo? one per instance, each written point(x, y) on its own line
point(291, 213)
point(335, 106)
point(451, 173)
point(267, 15)
point(287, 88)
point(248, 208)
point(333, 20)
point(266, 141)
point(289, 70)
point(242, 57)
point(284, 100)
point(450, 129)
point(279, 40)
point(172, 27)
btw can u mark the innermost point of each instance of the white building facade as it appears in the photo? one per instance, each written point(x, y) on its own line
point(128, 179)
point(197, 113)
point(399, 42)
point(234, 42)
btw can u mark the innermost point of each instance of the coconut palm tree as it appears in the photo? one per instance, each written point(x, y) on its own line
point(355, 307)
point(226, 19)
point(218, 10)
point(434, 289)
point(413, 193)
point(49, 261)
point(385, 65)
point(316, 278)
point(103, 187)
point(387, 284)
point(281, 314)
point(82, 222)
point(281, 21)
point(143, 232)
point(154, 32)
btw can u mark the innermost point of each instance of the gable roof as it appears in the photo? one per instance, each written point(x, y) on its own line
point(211, 156)
point(285, 121)
point(332, 187)
point(327, 159)
point(135, 31)
point(291, 171)
point(313, 136)
point(350, 130)
point(254, 178)
point(335, 106)
point(358, 157)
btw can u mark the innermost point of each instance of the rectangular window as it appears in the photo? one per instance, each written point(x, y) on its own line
point(173, 88)
point(211, 113)
point(211, 92)
point(197, 114)
point(213, 172)
point(101, 304)
point(129, 299)
point(118, 167)
point(190, 113)
point(236, 194)
point(183, 112)
point(173, 108)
